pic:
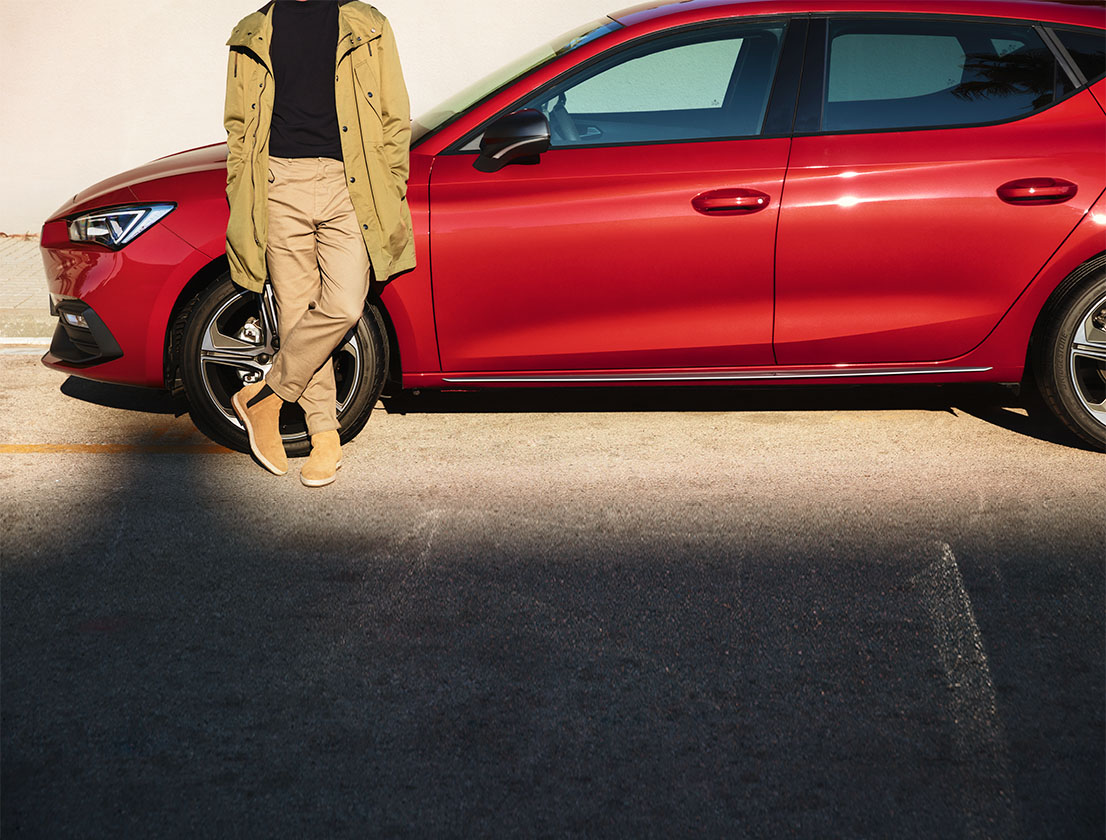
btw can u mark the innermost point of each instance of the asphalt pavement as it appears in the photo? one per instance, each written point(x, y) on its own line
point(652, 613)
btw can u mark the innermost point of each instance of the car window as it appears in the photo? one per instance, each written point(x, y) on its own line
point(1087, 49)
point(885, 74)
point(694, 85)
point(463, 100)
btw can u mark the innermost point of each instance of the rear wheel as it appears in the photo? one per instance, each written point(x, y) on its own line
point(1069, 362)
point(229, 342)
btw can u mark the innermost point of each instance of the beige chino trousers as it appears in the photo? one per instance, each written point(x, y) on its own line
point(319, 270)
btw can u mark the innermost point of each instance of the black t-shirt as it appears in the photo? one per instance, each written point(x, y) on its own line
point(304, 44)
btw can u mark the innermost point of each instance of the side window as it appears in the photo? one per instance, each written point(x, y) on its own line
point(696, 85)
point(885, 74)
point(1087, 49)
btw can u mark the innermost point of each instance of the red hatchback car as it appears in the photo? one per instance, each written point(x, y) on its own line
point(767, 191)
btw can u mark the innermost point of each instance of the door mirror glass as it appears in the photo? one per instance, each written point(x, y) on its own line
point(520, 137)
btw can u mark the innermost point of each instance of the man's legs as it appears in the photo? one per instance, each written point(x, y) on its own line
point(292, 256)
point(338, 266)
point(320, 275)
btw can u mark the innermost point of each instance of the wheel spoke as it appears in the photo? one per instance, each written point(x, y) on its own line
point(268, 318)
point(216, 341)
point(1089, 351)
point(218, 348)
point(235, 360)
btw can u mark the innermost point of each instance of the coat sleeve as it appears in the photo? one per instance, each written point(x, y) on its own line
point(395, 110)
point(234, 118)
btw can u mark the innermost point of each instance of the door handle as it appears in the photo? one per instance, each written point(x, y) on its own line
point(1037, 191)
point(731, 201)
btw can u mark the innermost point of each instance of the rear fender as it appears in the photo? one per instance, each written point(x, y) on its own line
point(1006, 348)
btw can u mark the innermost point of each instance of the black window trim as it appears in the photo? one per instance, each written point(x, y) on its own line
point(1063, 56)
point(796, 55)
point(1053, 29)
point(808, 120)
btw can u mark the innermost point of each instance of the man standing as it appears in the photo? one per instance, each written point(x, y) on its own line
point(318, 137)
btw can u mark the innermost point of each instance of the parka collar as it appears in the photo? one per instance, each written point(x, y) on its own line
point(357, 24)
point(254, 33)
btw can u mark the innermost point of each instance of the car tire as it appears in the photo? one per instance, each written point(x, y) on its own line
point(229, 340)
point(1069, 355)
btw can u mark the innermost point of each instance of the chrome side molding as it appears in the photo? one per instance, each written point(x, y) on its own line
point(720, 376)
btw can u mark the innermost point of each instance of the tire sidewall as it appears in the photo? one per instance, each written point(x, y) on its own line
point(1052, 362)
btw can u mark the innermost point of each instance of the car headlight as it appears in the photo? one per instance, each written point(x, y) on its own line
point(118, 226)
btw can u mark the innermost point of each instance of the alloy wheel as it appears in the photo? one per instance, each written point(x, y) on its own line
point(1087, 358)
point(237, 347)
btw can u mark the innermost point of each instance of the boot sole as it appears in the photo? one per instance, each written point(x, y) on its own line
point(240, 410)
point(321, 482)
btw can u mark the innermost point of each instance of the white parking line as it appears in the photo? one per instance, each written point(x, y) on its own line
point(23, 346)
point(980, 738)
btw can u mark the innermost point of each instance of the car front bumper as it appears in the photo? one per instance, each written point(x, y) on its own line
point(114, 307)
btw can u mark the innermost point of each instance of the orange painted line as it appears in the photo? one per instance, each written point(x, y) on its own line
point(113, 449)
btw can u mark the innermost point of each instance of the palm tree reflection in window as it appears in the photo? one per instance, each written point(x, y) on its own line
point(1023, 73)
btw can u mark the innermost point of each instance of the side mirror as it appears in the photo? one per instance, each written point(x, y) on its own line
point(516, 138)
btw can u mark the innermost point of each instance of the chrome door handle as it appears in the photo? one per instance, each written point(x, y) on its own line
point(730, 201)
point(1037, 191)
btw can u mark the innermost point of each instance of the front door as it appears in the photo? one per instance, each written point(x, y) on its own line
point(642, 239)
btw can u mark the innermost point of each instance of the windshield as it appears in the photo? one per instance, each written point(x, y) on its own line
point(465, 99)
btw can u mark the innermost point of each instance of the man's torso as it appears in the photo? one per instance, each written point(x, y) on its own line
point(305, 118)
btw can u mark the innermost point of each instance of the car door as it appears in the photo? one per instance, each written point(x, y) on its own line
point(643, 238)
point(937, 165)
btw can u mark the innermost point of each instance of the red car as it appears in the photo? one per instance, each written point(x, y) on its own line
point(691, 192)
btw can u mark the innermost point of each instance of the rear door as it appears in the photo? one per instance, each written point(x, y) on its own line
point(643, 238)
point(938, 163)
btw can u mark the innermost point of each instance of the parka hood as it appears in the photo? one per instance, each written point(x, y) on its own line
point(260, 23)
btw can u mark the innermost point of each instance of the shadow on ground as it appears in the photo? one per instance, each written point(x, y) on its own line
point(189, 651)
point(1000, 406)
point(994, 404)
point(126, 397)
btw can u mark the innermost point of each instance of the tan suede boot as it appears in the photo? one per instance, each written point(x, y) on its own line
point(323, 462)
point(262, 422)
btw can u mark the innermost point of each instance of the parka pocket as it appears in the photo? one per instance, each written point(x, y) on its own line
point(388, 196)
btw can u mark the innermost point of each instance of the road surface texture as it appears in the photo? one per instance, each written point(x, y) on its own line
point(806, 613)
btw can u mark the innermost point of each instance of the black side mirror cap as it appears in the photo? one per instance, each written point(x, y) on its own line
point(516, 138)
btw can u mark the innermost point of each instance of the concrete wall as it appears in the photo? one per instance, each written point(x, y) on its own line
point(93, 87)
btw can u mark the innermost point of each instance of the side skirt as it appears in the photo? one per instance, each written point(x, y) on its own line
point(706, 376)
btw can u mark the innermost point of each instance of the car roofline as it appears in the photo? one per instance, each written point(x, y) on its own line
point(1054, 12)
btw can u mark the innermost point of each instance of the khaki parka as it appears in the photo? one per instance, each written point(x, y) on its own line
point(375, 120)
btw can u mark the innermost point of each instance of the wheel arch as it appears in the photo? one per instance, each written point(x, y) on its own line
point(174, 333)
point(1075, 277)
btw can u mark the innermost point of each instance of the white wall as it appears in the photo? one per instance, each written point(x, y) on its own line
point(89, 88)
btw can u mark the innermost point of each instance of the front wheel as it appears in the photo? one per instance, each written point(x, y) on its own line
point(1069, 362)
point(229, 342)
